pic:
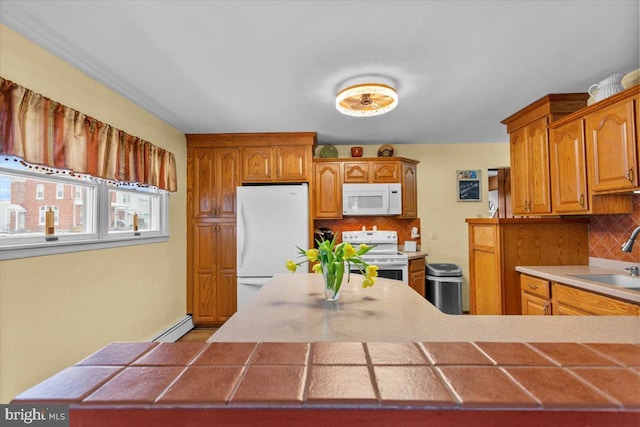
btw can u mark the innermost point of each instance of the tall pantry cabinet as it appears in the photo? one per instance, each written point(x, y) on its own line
point(213, 175)
point(216, 165)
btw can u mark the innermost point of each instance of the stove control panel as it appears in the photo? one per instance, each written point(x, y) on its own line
point(370, 237)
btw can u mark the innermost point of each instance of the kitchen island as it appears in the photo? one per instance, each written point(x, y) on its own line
point(291, 307)
point(381, 355)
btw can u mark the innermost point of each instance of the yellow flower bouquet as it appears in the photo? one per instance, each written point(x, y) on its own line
point(332, 260)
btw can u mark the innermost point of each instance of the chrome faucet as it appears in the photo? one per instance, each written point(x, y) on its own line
point(628, 245)
point(634, 271)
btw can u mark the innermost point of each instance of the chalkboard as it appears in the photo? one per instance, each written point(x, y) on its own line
point(469, 186)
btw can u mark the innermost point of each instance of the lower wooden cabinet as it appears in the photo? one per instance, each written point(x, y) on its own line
point(535, 296)
point(498, 245)
point(213, 270)
point(417, 275)
point(567, 300)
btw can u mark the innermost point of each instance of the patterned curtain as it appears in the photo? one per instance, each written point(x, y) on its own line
point(44, 132)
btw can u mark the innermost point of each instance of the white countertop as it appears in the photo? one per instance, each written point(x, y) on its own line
point(292, 308)
point(564, 274)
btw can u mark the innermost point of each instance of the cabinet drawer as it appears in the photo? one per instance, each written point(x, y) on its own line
point(534, 285)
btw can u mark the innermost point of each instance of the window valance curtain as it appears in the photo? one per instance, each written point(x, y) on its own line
point(45, 132)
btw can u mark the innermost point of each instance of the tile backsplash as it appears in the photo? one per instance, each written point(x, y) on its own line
point(401, 225)
point(608, 232)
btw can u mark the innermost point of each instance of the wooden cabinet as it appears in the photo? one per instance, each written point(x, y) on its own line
point(409, 191)
point(355, 172)
point(611, 147)
point(216, 165)
point(328, 201)
point(417, 275)
point(327, 190)
point(276, 164)
point(568, 169)
point(567, 300)
point(535, 295)
point(371, 172)
point(212, 181)
point(213, 269)
point(529, 145)
point(498, 245)
point(594, 157)
point(530, 189)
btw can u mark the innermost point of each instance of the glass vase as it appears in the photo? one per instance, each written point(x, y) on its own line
point(333, 274)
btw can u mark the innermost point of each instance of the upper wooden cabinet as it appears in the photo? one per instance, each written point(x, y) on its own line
point(371, 172)
point(409, 191)
point(327, 190)
point(214, 174)
point(330, 174)
point(594, 157)
point(529, 139)
point(568, 169)
point(276, 164)
point(611, 147)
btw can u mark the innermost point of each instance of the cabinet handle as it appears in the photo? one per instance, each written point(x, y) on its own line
point(532, 286)
point(546, 306)
point(630, 175)
point(581, 200)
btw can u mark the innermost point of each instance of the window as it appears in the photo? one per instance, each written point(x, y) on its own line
point(59, 191)
point(88, 213)
point(43, 213)
point(40, 191)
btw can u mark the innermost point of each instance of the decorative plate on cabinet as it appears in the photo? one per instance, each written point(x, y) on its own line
point(385, 151)
point(328, 151)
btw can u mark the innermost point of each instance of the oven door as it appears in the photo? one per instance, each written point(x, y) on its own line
point(389, 270)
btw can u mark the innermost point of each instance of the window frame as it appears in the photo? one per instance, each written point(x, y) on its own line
point(100, 238)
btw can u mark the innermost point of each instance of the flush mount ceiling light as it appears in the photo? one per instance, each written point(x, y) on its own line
point(366, 96)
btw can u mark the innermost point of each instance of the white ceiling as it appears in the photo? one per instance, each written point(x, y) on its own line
point(271, 66)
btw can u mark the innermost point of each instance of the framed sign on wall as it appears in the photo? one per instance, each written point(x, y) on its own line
point(469, 186)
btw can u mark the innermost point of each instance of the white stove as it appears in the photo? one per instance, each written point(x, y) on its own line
point(391, 263)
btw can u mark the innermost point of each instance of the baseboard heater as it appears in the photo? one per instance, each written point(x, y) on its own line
point(176, 331)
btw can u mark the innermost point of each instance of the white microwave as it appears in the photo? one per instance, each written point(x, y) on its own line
point(371, 199)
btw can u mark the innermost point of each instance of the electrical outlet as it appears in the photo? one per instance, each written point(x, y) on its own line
point(434, 235)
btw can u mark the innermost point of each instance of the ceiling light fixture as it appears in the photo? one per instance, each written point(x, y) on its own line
point(366, 96)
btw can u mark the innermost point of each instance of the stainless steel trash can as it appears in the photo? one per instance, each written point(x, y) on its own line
point(444, 287)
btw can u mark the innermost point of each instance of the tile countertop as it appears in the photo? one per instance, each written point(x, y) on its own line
point(291, 307)
point(564, 274)
point(400, 383)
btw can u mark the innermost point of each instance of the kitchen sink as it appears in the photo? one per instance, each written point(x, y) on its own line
point(622, 280)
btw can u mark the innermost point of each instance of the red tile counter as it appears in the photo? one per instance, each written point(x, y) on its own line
point(385, 383)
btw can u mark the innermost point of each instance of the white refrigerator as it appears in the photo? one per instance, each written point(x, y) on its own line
point(272, 220)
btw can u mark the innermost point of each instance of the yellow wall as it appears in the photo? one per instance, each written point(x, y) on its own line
point(438, 208)
point(56, 310)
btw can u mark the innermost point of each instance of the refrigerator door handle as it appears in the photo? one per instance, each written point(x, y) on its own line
point(241, 233)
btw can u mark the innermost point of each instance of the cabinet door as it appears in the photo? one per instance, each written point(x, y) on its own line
point(568, 171)
point(611, 148)
point(292, 163)
point(417, 276)
point(257, 164)
point(534, 305)
point(409, 191)
point(485, 282)
point(539, 179)
point(327, 191)
point(384, 172)
point(201, 184)
point(570, 300)
point(519, 172)
point(226, 285)
point(204, 272)
point(227, 173)
point(356, 172)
